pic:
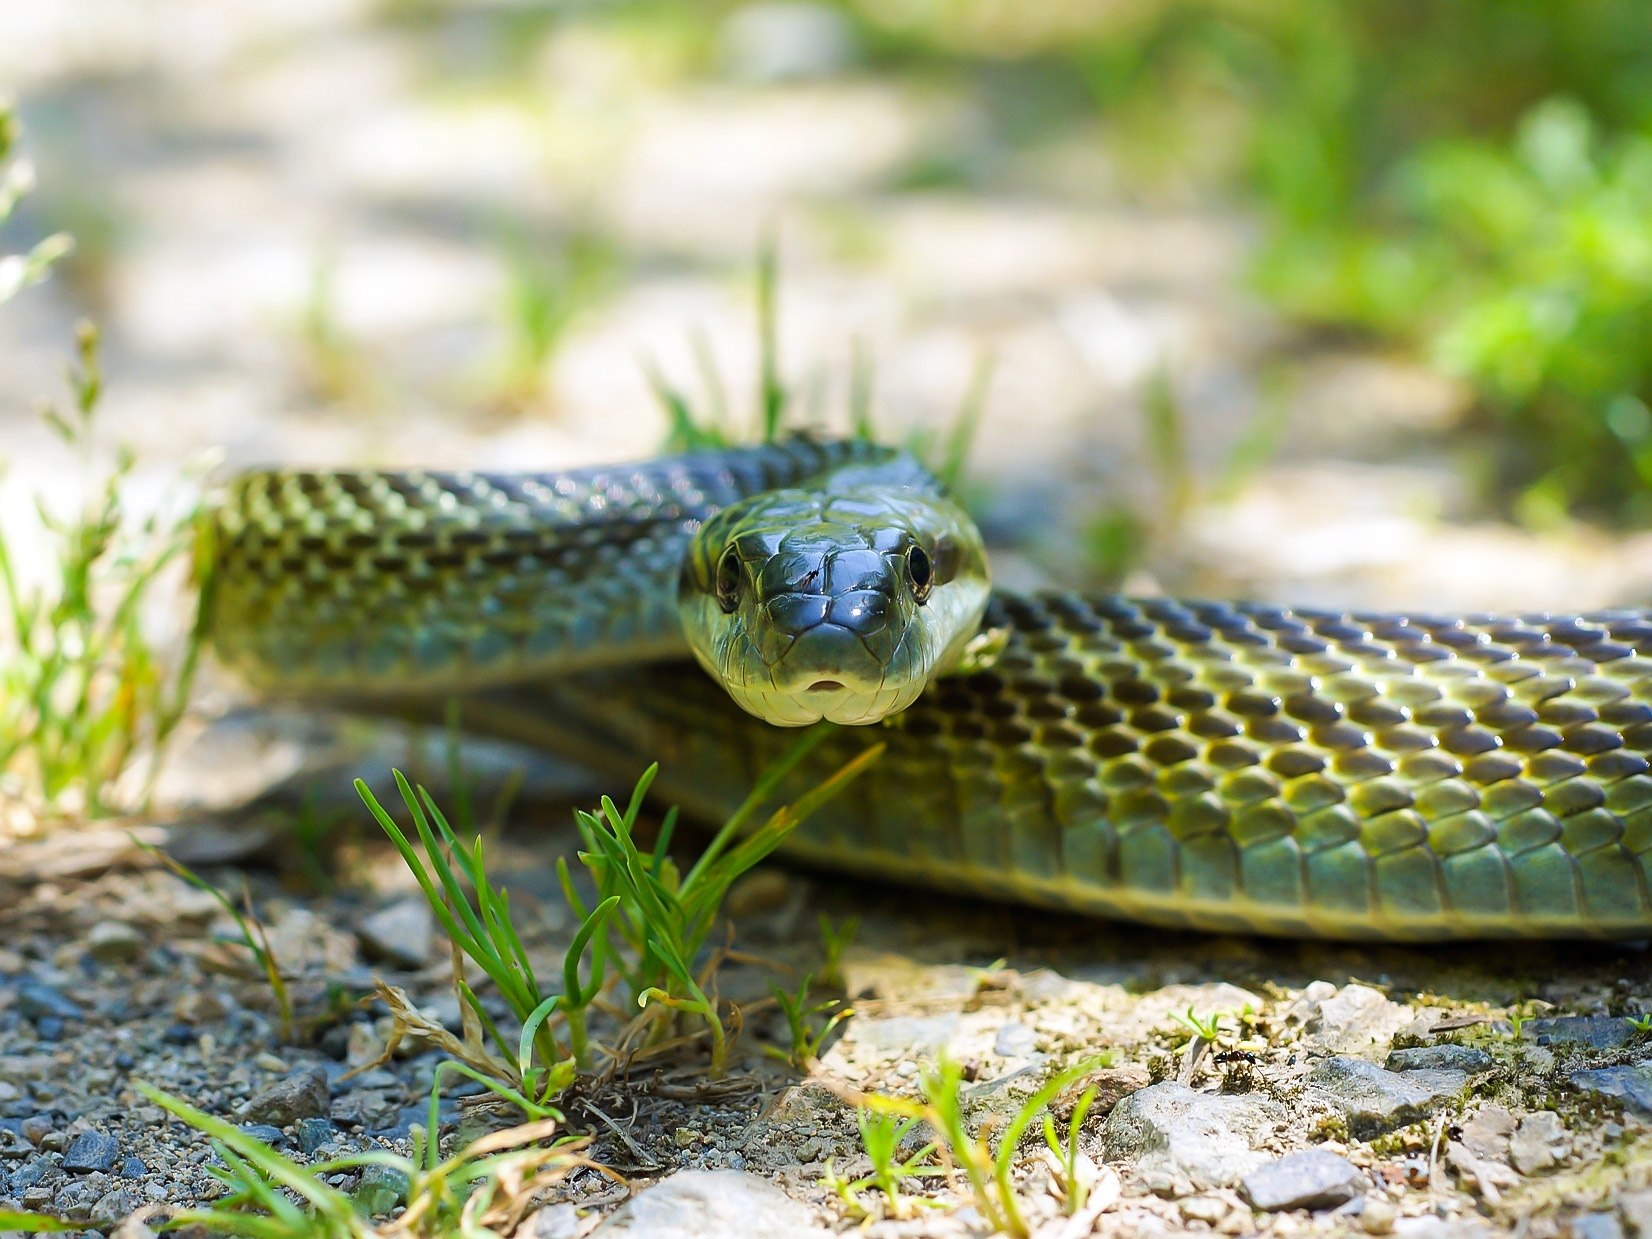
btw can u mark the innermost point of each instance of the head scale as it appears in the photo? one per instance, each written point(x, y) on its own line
point(840, 605)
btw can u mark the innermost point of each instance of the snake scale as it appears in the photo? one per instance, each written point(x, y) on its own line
point(1218, 766)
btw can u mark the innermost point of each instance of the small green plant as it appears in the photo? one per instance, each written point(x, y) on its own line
point(836, 940)
point(1075, 1184)
point(489, 1184)
point(1204, 1027)
point(988, 1172)
point(807, 1031)
point(882, 1136)
point(664, 916)
point(253, 937)
point(475, 915)
point(547, 286)
point(1641, 1023)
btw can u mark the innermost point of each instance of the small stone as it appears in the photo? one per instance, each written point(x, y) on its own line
point(920, 1036)
point(113, 1205)
point(683, 1137)
point(1015, 1041)
point(265, 1061)
point(1357, 1019)
point(265, 1134)
point(1312, 1179)
point(1632, 1084)
point(1112, 1085)
point(1487, 1132)
point(381, 1189)
point(1379, 1216)
point(35, 1000)
point(114, 942)
point(552, 1222)
point(314, 1133)
point(1181, 1142)
point(91, 1150)
point(1539, 1143)
point(1207, 1209)
point(1442, 1057)
point(1598, 1032)
point(694, 1203)
point(1596, 1226)
point(27, 1068)
point(301, 1096)
point(1375, 1101)
point(400, 933)
point(133, 1168)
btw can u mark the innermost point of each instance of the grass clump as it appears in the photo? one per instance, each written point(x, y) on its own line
point(484, 1189)
point(959, 1150)
point(87, 698)
point(646, 929)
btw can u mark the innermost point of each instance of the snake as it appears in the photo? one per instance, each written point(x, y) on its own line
point(1202, 765)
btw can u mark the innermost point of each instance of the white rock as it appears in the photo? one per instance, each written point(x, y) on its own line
point(692, 1204)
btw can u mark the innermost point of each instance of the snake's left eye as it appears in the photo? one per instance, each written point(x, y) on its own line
point(727, 583)
point(922, 572)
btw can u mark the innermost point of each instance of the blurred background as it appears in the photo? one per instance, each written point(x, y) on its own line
point(1331, 301)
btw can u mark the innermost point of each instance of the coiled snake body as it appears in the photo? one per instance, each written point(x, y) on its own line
point(1197, 764)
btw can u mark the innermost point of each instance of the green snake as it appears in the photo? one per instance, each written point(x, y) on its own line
point(1230, 767)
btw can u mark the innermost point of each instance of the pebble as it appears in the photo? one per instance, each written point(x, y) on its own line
point(1311, 1179)
point(1379, 1216)
point(1442, 1057)
point(113, 942)
point(1596, 1226)
point(1632, 1084)
point(1374, 1100)
point(1598, 1032)
point(91, 1150)
point(133, 1168)
point(1180, 1141)
point(300, 1096)
point(36, 1000)
point(314, 1133)
point(1354, 1019)
point(694, 1203)
point(918, 1036)
point(265, 1134)
point(1540, 1142)
point(401, 933)
point(1014, 1041)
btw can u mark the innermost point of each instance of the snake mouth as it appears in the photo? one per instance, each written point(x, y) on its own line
point(826, 686)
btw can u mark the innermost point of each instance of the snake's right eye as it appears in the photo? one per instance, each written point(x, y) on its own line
point(727, 582)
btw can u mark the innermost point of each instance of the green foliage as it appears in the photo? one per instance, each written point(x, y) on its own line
point(85, 693)
point(488, 1184)
point(988, 1171)
point(1074, 1183)
point(547, 287)
point(882, 1135)
point(808, 1033)
point(664, 916)
point(34, 1223)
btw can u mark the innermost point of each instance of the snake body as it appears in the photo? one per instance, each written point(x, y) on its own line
point(1193, 764)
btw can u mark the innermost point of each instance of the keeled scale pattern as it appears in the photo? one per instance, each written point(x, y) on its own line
point(363, 581)
point(1231, 767)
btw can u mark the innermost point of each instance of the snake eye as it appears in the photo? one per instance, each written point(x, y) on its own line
point(727, 583)
point(922, 573)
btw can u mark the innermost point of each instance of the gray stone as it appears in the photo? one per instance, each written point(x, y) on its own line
point(694, 1203)
point(919, 1035)
point(92, 1150)
point(1357, 1019)
point(1179, 1141)
point(1312, 1179)
point(400, 933)
point(37, 1000)
point(301, 1096)
point(1596, 1226)
point(313, 1133)
point(265, 1134)
point(552, 1222)
point(1539, 1143)
point(113, 942)
point(1015, 1041)
point(1632, 1084)
point(1598, 1032)
point(1443, 1057)
point(1375, 1100)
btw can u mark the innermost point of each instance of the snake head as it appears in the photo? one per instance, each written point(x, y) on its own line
point(842, 606)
